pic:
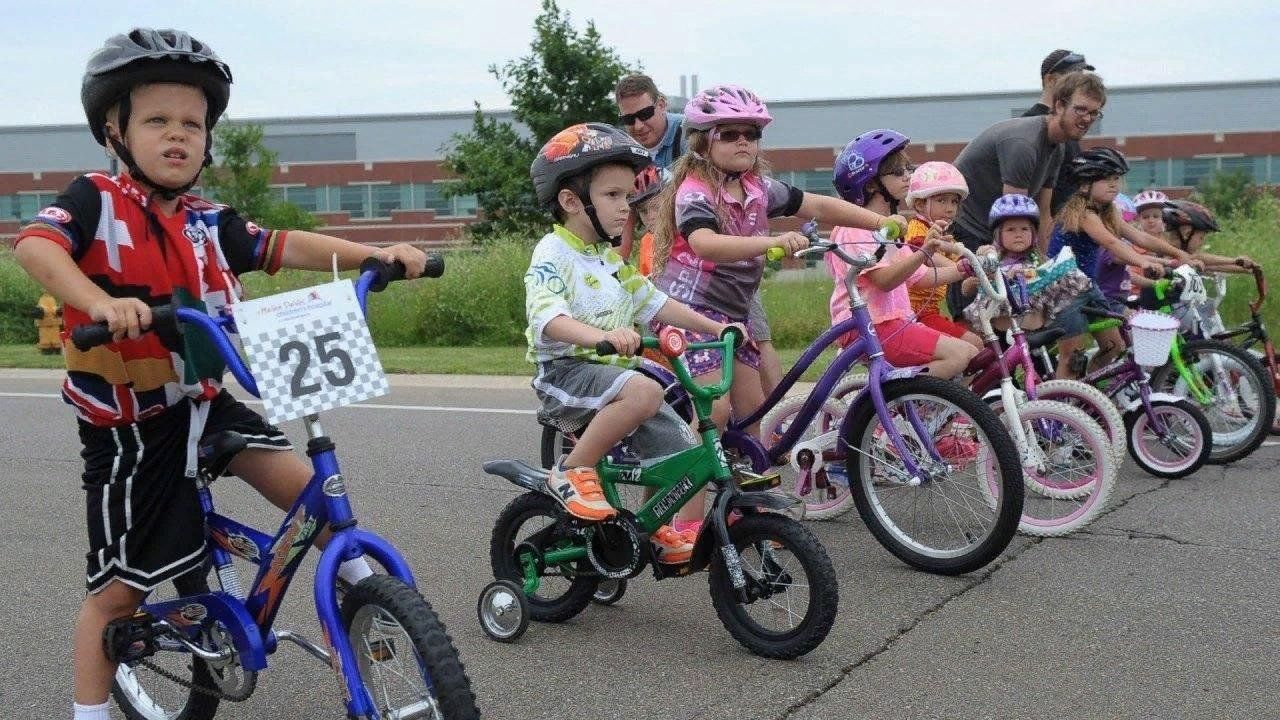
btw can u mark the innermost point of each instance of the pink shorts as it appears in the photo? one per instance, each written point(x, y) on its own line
point(907, 343)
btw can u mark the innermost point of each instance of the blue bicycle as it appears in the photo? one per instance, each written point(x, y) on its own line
point(181, 657)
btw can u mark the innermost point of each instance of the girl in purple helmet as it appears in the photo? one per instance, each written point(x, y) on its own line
point(874, 171)
point(713, 225)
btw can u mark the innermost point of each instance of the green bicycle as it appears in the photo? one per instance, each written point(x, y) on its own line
point(771, 581)
point(1227, 382)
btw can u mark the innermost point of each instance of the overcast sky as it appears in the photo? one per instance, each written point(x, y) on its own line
point(320, 57)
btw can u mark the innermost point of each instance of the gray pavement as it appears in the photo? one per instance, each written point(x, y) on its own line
point(1165, 607)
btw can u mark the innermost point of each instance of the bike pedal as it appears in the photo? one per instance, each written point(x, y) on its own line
point(748, 480)
point(128, 640)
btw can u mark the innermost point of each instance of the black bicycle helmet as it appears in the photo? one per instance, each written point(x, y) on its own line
point(142, 56)
point(1185, 212)
point(572, 153)
point(1098, 163)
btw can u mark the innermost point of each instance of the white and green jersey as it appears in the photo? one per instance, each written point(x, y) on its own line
point(589, 283)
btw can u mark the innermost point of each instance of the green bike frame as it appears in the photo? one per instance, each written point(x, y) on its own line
point(1200, 392)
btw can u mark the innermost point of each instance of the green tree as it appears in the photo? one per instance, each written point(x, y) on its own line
point(567, 78)
point(242, 179)
point(1228, 193)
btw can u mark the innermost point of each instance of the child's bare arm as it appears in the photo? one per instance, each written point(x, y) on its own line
point(566, 329)
point(313, 251)
point(51, 266)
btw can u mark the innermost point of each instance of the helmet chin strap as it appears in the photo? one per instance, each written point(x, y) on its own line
point(166, 192)
point(614, 240)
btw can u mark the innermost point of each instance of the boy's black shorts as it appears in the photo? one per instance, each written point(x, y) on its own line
point(144, 519)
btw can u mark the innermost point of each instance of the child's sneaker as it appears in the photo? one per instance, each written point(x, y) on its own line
point(688, 528)
point(578, 489)
point(671, 547)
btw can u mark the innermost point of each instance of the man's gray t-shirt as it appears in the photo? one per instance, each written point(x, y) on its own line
point(1012, 152)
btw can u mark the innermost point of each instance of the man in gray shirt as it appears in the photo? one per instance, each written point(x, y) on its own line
point(1022, 155)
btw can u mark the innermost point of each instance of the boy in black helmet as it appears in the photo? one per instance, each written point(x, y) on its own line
point(578, 292)
point(110, 248)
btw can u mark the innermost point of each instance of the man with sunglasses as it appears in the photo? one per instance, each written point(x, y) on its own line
point(1057, 65)
point(642, 113)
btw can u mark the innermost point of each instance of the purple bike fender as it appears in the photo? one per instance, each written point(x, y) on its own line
point(748, 447)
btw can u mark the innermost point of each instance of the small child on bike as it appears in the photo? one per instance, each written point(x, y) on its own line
point(111, 248)
point(934, 194)
point(1189, 224)
point(713, 229)
point(579, 292)
point(1015, 224)
point(1090, 223)
point(873, 171)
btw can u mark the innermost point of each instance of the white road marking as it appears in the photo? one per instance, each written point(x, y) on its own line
point(366, 406)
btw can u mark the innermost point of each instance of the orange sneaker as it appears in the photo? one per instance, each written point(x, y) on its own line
point(671, 547)
point(578, 489)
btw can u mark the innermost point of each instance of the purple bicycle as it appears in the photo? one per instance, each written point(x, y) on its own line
point(931, 468)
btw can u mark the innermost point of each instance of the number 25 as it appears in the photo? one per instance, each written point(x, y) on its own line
point(326, 354)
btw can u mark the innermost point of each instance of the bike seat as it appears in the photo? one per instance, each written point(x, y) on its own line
point(216, 451)
point(1045, 337)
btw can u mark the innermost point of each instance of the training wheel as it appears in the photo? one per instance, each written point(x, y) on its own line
point(609, 592)
point(503, 611)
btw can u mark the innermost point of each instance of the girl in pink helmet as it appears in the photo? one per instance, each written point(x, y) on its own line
point(935, 193)
point(713, 225)
point(873, 171)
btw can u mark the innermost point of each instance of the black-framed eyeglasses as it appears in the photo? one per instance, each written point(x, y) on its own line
point(1083, 111)
point(733, 136)
point(643, 115)
point(1066, 61)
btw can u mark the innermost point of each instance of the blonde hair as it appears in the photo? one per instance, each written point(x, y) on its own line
point(1073, 213)
point(695, 161)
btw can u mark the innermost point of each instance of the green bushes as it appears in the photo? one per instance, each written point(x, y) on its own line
point(18, 295)
point(1253, 231)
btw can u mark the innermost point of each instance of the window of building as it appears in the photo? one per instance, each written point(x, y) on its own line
point(354, 199)
point(386, 198)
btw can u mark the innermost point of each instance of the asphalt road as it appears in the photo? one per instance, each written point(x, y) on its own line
point(1165, 607)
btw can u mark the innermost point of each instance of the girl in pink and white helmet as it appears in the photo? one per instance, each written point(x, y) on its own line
point(713, 226)
point(1151, 205)
point(935, 193)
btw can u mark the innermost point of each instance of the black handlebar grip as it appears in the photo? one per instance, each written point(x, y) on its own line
point(435, 265)
point(87, 337)
point(384, 273)
point(604, 347)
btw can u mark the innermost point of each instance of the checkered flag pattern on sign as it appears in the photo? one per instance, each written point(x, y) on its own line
point(278, 376)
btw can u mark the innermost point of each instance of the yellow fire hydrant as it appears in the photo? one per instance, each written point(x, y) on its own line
point(48, 324)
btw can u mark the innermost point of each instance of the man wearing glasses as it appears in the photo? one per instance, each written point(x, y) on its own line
point(642, 112)
point(1056, 66)
point(1023, 155)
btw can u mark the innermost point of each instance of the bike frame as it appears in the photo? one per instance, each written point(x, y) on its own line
point(1255, 330)
point(866, 346)
point(1124, 372)
point(323, 502)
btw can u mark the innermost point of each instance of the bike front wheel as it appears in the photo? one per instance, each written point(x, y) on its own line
point(1243, 401)
point(1172, 442)
point(791, 590)
point(963, 515)
point(406, 660)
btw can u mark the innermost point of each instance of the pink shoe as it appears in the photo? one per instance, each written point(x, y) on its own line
point(958, 451)
point(688, 528)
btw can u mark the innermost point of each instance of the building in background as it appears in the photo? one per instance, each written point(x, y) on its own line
point(378, 178)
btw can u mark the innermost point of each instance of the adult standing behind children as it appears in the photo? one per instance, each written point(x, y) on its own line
point(1057, 65)
point(642, 113)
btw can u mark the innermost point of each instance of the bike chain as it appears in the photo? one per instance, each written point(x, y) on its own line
point(210, 692)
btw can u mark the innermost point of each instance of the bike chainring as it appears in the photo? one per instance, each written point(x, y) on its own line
point(616, 547)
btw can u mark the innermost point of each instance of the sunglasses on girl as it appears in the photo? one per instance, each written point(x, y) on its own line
point(733, 136)
point(643, 115)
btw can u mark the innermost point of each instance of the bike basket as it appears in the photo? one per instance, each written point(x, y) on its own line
point(1153, 335)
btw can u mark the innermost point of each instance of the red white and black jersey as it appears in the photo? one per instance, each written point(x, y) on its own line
point(129, 249)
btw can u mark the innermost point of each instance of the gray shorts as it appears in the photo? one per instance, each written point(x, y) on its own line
point(572, 391)
point(757, 323)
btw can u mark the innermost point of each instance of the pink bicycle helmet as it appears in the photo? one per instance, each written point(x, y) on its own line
point(935, 178)
point(1149, 198)
point(725, 104)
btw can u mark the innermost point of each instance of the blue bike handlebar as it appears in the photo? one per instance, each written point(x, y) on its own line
point(375, 275)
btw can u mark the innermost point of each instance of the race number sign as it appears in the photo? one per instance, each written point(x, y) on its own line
point(310, 350)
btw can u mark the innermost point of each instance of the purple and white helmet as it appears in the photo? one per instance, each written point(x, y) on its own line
point(1150, 198)
point(859, 162)
point(725, 104)
point(1013, 206)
